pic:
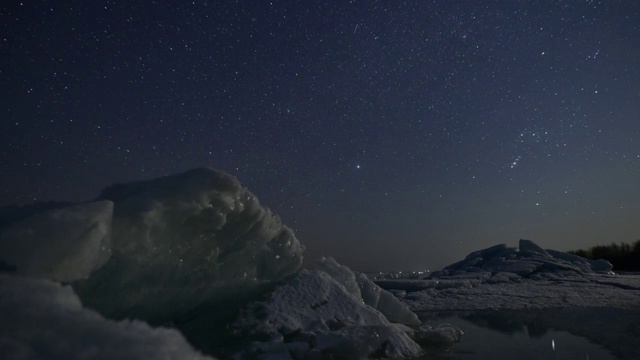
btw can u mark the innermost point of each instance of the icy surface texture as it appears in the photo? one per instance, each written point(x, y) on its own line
point(62, 244)
point(500, 277)
point(312, 315)
point(203, 220)
point(530, 246)
point(184, 239)
point(363, 289)
point(44, 320)
point(341, 274)
point(409, 285)
point(530, 259)
point(385, 302)
point(544, 293)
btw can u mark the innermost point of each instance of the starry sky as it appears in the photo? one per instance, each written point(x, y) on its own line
point(392, 135)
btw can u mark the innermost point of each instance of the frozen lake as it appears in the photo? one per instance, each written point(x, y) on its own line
point(495, 336)
point(196, 252)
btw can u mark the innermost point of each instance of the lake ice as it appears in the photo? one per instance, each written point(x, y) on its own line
point(193, 266)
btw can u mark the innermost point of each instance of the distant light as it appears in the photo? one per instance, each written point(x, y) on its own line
point(553, 344)
point(357, 166)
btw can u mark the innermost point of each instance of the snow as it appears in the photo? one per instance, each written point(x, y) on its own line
point(385, 302)
point(203, 219)
point(185, 250)
point(341, 274)
point(44, 320)
point(562, 290)
point(190, 251)
point(185, 239)
point(198, 252)
point(63, 244)
point(530, 277)
point(366, 291)
point(527, 260)
point(313, 314)
point(332, 310)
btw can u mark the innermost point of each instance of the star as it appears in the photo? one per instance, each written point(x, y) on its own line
point(439, 100)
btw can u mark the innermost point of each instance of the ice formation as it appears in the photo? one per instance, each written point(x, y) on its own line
point(528, 260)
point(197, 252)
point(314, 316)
point(334, 312)
point(330, 311)
point(187, 251)
point(43, 320)
point(63, 244)
point(501, 277)
point(203, 220)
point(365, 290)
point(182, 240)
point(567, 291)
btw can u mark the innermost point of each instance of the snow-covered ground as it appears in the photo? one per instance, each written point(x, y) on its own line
point(196, 252)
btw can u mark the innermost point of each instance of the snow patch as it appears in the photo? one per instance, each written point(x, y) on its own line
point(44, 320)
point(63, 244)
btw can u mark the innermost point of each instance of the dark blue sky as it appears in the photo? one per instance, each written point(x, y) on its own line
point(388, 134)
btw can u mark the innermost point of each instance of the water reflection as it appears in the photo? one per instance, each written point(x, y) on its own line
point(495, 335)
point(505, 323)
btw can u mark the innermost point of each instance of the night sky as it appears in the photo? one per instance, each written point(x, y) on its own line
point(389, 134)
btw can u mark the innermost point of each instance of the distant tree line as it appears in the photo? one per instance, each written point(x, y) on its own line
point(623, 256)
